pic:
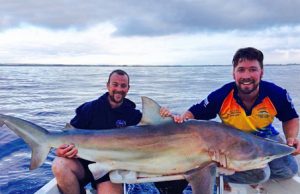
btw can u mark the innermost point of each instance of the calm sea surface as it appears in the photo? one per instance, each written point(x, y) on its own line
point(48, 96)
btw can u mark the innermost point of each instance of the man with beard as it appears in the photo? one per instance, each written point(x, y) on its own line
point(251, 104)
point(111, 110)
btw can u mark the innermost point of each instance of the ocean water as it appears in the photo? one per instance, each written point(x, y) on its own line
point(48, 96)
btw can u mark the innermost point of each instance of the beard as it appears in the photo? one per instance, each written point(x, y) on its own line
point(117, 97)
point(247, 89)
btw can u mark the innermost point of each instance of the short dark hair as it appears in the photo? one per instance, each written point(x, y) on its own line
point(119, 72)
point(248, 53)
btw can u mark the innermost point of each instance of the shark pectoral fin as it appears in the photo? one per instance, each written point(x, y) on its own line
point(38, 155)
point(99, 169)
point(151, 115)
point(203, 179)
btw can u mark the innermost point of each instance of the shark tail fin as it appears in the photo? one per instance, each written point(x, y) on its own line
point(38, 156)
point(1, 123)
point(35, 136)
point(39, 146)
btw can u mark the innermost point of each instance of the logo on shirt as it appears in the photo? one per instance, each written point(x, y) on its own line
point(206, 102)
point(231, 113)
point(263, 113)
point(234, 113)
point(120, 123)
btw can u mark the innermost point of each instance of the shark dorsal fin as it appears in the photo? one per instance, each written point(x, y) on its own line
point(151, 114)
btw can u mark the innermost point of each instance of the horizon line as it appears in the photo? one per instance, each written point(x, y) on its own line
point(124, 65)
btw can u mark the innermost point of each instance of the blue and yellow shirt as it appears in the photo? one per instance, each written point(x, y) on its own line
point(273, 101)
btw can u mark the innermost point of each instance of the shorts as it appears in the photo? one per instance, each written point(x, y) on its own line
point(171, 187)
point(88, 177)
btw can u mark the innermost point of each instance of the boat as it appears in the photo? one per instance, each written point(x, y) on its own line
point(270, 187)
point(51, 188)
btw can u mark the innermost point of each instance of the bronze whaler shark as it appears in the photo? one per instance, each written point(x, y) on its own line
point(157, 149)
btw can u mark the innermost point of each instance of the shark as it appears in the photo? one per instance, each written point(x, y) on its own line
point(158, 149)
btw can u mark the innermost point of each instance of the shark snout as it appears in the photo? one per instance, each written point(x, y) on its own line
point(282, 150)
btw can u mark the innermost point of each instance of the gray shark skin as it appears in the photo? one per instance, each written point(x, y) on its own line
point(157, 147)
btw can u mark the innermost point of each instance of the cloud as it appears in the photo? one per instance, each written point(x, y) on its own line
point(151, 17)
point(152, 32)
point(95, 45)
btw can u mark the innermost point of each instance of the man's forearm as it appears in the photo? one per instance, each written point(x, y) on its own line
point(291, 128)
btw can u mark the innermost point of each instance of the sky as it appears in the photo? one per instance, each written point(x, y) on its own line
point(147, 32)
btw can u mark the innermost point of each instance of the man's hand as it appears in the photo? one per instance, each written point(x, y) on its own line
point(67, 151)
point(165, 112)
point(291, 131)
point(184, 117)
point(179, 118)
point(294, 142)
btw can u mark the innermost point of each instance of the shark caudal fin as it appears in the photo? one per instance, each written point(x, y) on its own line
point(34, 135)
point(151, 114)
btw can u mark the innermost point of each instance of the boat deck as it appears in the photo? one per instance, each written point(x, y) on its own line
point(271, 187)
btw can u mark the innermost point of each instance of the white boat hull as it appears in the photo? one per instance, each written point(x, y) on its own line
point(49, 188)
